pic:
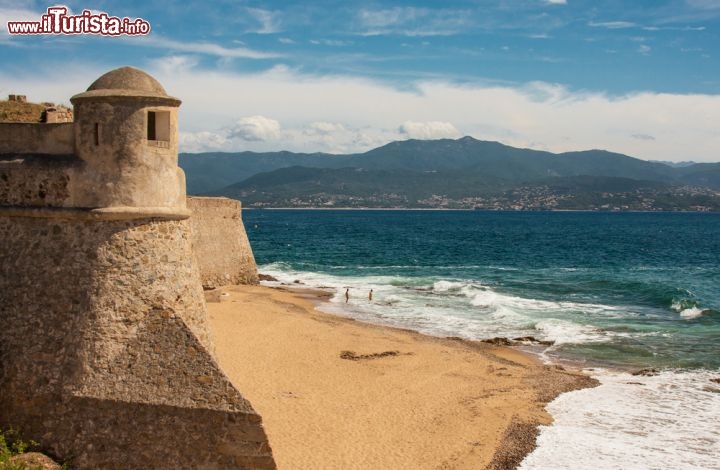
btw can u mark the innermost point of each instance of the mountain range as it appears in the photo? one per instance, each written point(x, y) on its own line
point(461, 173)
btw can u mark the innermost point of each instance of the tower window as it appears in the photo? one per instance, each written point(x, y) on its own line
point(151, 125)
point(158, 126)
point(97, 133)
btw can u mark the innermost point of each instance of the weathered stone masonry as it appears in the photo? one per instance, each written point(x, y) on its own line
point(221, 243)
point(105, 354)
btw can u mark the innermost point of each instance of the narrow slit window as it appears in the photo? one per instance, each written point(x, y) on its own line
point(97, 133)
point(151, 126)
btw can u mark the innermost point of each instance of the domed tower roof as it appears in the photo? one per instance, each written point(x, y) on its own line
point(127, 82)
point(127, 78)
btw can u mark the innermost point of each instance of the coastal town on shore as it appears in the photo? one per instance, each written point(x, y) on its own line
point(526, 198)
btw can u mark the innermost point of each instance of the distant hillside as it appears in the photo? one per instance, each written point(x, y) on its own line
point(206, 172)
point(357, 186)
point(14, 111)
point(453, 173)
point(701, 174)
point(674, 164)
point(23, 111)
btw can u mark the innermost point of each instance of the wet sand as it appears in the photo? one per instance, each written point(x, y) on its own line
point(340, 394)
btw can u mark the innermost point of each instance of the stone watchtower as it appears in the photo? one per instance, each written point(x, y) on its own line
point(105, 353)
point(126, 134)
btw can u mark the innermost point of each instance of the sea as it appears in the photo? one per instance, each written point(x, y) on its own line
point(615, 293)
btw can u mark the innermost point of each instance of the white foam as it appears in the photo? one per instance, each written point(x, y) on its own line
point(448, 307)
point(484, 299)
point(687, 312)
point(565, 332)
point(448, 286)
point(690, 313)
point(634, 422)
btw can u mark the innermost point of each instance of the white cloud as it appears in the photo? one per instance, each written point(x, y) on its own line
point(348, 114)
point(612, 24)
point(202, 141)
point(255, 128)
point(175, 64)
point(330, 42)
point(159, 42)
point(674, 28)
point(556, 2)
point(334, 137)
point(269, 20)
point(428, 130)
point(705, 4)
point(324, 128)
point(644, 49)
point(412, 21)
point(539, 115)
point(387, 17)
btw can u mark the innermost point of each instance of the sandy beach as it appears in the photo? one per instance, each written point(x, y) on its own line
point(339, 394)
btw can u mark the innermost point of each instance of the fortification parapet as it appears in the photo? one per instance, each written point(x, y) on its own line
point(105, 352)
point(221, 243)
point(20, 138)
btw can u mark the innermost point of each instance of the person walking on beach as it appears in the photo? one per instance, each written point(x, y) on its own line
point(347, 294)
point(370, 295)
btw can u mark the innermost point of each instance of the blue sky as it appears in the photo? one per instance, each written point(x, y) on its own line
point(640, 77)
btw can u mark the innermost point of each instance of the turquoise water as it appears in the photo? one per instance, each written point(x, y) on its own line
point(615, 292)
point(626, 289)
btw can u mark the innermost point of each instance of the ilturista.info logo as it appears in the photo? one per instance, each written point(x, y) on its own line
point(59, 20)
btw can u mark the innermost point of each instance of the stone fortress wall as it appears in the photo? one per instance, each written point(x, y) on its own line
point(106, 358)
point(30, 138)
point(220, 242)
